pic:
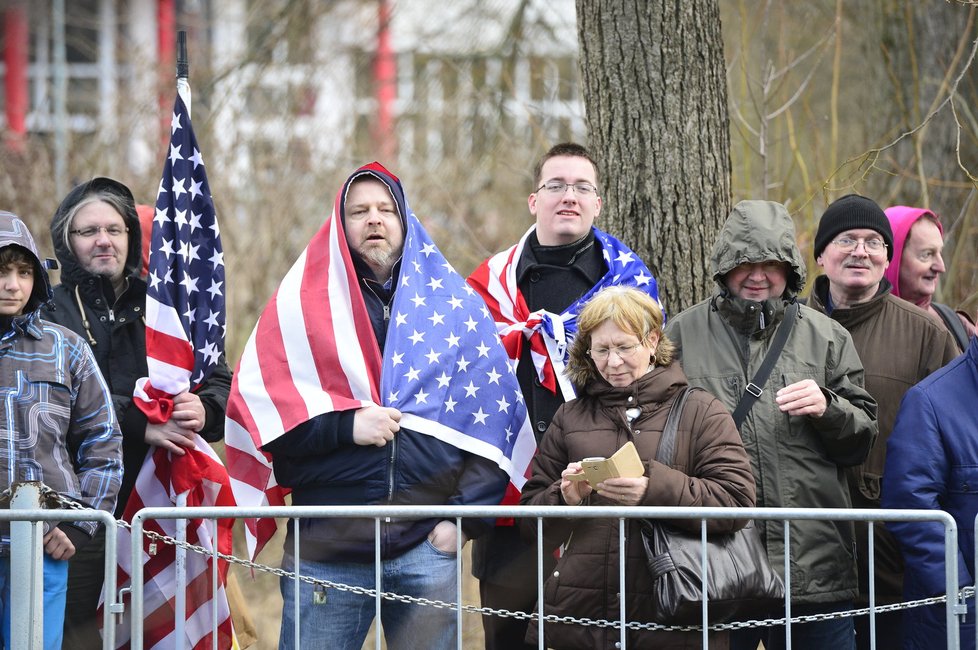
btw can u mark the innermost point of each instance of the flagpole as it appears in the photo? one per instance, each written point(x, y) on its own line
point(183, 70)
point(180, 598)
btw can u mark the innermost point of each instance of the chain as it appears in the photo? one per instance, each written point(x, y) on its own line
point(54, 497)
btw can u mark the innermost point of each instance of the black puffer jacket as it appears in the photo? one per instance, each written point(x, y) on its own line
point(114, 327)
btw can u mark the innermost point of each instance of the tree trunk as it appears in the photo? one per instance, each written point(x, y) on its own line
point(656, 101)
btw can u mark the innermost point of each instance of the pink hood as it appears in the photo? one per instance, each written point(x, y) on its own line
point(902, 218)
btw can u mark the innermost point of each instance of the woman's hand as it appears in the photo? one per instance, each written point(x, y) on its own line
point(626, 491)
point(574, 492)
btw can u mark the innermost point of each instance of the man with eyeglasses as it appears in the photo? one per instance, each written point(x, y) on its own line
point(917, 266)
point(810, 419)
point(535, 290)
point(102, 297)
point(899, 345)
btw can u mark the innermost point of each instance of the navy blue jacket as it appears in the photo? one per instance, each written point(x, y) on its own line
point(932, 464)
point(322, 465)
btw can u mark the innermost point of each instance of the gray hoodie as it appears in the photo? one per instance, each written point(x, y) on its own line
point(57, 425)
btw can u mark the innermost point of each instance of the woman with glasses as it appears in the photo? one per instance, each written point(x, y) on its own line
point(622, 366)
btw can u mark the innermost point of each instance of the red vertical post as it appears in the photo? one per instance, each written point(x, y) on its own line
point(385, 86)
point(166, 38)
point(16, 37)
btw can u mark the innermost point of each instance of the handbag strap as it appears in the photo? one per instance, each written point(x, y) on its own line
point(756, 386)
point(667, 443)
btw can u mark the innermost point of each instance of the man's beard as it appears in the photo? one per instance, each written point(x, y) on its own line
point(382, 256)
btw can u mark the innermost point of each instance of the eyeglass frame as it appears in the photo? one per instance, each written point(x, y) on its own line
point(81, 232)
point(856, 241)
point(617, 349)
point(593, 191)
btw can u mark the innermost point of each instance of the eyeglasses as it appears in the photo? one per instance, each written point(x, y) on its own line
point(559, 187)
point(848, 244)
point(88, 233)
point(623, 352)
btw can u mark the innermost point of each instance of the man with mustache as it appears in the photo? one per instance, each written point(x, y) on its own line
point(899, 345)
point(377, 332)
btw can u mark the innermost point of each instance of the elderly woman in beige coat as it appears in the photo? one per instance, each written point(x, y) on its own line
point(627, 382)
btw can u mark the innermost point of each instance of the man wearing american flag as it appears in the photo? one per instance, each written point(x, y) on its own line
point(375, 376)
point(535, 289)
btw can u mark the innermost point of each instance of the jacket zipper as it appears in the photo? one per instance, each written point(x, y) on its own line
point(387, 305)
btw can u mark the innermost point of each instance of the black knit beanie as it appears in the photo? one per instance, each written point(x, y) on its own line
point(849, 213)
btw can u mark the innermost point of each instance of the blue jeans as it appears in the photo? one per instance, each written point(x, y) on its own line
point(55, 588)
point(341, 619)
point(836, 633)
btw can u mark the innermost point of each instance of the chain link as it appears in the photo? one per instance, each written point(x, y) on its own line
point(56, 498)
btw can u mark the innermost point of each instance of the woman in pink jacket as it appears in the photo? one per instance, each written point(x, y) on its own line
point(918, 240)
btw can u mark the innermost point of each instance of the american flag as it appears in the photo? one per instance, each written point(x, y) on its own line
point(313, 351)
point(549, 335)
point(185, 326)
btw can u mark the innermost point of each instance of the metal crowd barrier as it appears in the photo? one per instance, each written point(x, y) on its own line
point(27, 538)
point(26, 563)
point(955, 607)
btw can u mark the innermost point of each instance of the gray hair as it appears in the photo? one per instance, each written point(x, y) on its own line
point(113, 199)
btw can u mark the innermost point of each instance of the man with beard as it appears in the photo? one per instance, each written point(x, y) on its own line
point(102, 296)
point(899, 344)
point(369, 416)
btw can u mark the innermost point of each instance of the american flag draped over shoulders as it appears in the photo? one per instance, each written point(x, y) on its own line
point(185, 327)
point(549, 335)
point(313, 351)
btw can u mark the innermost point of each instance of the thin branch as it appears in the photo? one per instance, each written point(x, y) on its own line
point(867, 160)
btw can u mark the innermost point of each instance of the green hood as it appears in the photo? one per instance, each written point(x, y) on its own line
point(758, 231)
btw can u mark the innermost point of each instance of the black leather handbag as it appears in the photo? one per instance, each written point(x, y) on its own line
point(740, 581)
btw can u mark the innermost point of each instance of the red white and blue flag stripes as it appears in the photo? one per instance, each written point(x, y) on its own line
point(313, 351)
point(185, 328)
point(549, 335)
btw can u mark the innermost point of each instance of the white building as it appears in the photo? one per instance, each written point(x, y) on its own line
point(298, 76)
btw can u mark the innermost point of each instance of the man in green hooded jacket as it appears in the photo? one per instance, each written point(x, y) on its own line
point(812, 418)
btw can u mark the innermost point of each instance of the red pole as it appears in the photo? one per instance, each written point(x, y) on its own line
point(16, 36)
point(385, 84)
point(166, 37)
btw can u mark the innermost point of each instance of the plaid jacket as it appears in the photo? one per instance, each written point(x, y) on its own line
point(57, 425)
